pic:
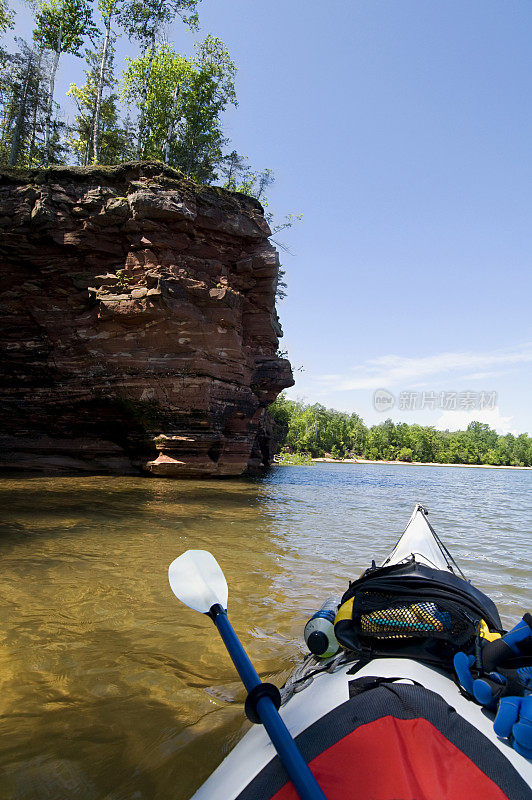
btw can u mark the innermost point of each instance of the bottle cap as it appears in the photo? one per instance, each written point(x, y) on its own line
point(317, 643)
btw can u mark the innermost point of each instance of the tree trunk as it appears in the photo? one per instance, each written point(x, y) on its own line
point(35, 109)
point(9, 118)
point(232, 169)
point(7, 105)
point(50, 102)
point(99, 90)
point(15, 143)
point(190, 156)
point(171, 125)
point(144, 95)
point(87, 153)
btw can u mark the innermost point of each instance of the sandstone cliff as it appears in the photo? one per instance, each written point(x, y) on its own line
point(138, 323)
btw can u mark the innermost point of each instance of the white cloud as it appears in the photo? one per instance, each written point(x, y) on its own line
point(459, 420)
point(481, 376)
point(391, 370)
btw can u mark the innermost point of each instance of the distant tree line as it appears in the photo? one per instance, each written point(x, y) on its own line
point(320, 431)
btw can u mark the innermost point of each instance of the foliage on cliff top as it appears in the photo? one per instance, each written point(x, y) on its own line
point(176, 102)
point(124, 174)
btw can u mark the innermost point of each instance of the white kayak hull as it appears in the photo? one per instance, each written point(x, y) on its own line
point(326, 692)
point(329, 690)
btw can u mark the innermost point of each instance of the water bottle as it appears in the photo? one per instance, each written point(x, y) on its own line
point(319, 631)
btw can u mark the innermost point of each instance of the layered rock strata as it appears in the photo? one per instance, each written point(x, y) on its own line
point(138, 324)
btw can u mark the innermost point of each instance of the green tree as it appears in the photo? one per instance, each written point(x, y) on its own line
point(239, 176)
point(104, 72)
point(15, 83)
point(183, 105)
point(318, 430)
point(144, 21)
point(22, 101)
point(6, 17)
point(113, 145)
point(198, 138)
point(24, 109)
point(61, 27)
point(160, 70)
point(405, 454)
point(522, 450)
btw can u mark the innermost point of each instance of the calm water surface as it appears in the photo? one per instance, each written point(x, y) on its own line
point(109, 688)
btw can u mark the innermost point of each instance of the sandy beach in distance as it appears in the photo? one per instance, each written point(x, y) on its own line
point(411, 463)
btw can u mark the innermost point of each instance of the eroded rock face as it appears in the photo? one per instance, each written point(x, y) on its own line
point(138, 324)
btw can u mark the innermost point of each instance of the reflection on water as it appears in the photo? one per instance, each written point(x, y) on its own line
point(109, 688)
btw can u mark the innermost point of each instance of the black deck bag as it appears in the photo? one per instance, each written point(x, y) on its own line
point(411, 610)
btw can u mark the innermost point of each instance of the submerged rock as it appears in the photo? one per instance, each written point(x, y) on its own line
point(138, 323)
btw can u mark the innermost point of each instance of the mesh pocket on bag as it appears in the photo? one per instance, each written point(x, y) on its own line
point(384, 617)
point(417, 619)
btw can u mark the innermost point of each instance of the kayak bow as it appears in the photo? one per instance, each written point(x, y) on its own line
point(391, 725)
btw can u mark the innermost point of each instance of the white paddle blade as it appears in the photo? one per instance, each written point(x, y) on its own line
point(197, 580)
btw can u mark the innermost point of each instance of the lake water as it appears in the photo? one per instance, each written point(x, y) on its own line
point(110, 688)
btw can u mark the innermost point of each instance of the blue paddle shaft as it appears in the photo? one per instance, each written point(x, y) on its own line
point(239, 657)
point(297, 768)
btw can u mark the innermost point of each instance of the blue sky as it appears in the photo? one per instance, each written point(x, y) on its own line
point(402, 130)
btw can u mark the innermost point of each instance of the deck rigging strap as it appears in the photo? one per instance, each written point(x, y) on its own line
point(307, 671)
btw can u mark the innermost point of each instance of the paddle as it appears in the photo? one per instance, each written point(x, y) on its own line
point(198, 581)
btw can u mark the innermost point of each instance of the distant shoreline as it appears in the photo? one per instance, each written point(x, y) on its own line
point(410, 463)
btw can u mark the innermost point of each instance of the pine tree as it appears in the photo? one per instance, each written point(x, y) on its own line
point(6, 22)
point(24, 109)
point(241, 177)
